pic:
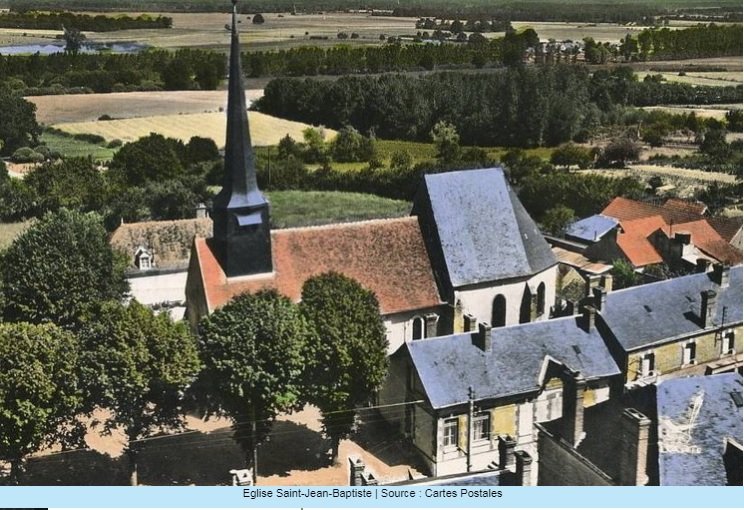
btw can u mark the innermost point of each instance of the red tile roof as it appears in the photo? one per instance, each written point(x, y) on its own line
point(688, 206)
point(705, 238)
point(624, 209)
point(385, 256)
point(727, 228)
point(633, 240)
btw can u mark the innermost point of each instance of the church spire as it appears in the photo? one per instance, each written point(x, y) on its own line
point(240, 188)
point(242, 236)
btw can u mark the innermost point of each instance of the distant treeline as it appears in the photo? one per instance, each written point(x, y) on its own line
point(56, 20)
point(515, 107)
point(149, 70)
point(310, 61)
point(702, 41)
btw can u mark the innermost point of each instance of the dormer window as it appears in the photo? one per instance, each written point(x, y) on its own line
point(143, 259)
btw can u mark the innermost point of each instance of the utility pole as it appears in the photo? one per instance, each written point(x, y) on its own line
point(471, 404)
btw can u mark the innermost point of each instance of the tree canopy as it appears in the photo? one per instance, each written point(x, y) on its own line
point(18, 126)
point(251, 350)
point(138, 366)
point(58, 268)
point(39, 391)
point(347, 360)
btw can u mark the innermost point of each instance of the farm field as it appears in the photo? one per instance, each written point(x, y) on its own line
point(714, 111)
point(600, 32)
point(71, 148)
point(686, 182)
point(124, 105)
point(303, 208)
point(17, 36)
point(265, 129)
point(711, 79)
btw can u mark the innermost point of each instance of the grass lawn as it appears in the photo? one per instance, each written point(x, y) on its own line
point(9, 231)
point(69, 147)
point(302, 208)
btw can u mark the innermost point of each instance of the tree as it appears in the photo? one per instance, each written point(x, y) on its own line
point(734, 121)
point(617, 152)
point(570, 154)
point(59, 267)
point(557, 219)
point(201, 149)
point(251, 350)
point(137, 365)
point(18, 126)
point(347, 360)
point(73, 40)
point(151, 158)
point(39, 391)
point(446, 141)
point(624, 275)
point(288, 147)
point(258, 19)
point(315, 146)
point(74, 183)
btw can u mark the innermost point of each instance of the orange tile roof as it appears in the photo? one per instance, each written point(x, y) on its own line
point(688, 206)
point(705, 237)
point(633, 240)
point(385, 256)
point(624, 209)
point(726, 227)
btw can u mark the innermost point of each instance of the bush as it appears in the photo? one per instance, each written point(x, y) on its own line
point(90, 138)
point(258, 19)
point(106, 116)
point(26, 155)
point(115, 143)
point(570, 154)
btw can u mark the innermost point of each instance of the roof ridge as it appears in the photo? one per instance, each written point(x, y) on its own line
point(343, 224)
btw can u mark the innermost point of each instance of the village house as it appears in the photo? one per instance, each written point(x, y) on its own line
point(469, 249)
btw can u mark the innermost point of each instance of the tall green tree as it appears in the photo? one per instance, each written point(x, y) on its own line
point(151, 158)
point(18, 126)
point(60, 266)
point(137, 365)
point(446, 141)
point(39, 392)
point(347, 360)
point(251, 350)
point(74, 183)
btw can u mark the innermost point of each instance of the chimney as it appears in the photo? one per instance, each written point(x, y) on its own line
point(593, 281)
point(573, 406)
point(721, 275)
point(483, 336)
point(201, 210)
point(524, 468)
point(506, 452)
point(683, 237)
point(589, 318)
point(634, 431)
point(356, 472)
point(708, 300)
point(607, 282)
point(431, 320)
point(469, 322)
point(600, 298)
point(701, 265)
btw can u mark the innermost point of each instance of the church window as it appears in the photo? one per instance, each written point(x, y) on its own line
point(418, 328)
point(498, 311)
point(541, 299)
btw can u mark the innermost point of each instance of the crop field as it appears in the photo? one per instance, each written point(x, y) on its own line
point(265, 129)
point(125, 105)
point(71, 148)
point(711, 79)
point(600, 32)
point(717, 111)
point(17, 36)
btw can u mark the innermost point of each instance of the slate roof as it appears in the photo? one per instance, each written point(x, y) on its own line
point(448, 365)
point(591, 229)
point(169, 241)
point(719, 417)
point(486, 234)
point(647, 314)
point(474, 479)
point(385, 256)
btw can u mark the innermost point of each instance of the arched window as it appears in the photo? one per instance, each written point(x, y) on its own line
point(541, 299)
point(525, 309)
point(418, 328)
point(498, 311)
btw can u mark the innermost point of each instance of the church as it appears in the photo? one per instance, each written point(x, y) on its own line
point(467, 253)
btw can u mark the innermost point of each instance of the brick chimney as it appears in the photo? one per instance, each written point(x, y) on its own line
point(634, 433)
point(600, 298)
point(721, 275)
point(574, 385)
point(483, 336)
point(524, 468)
point(588, 318)
point(506, 452)
point(708, 299)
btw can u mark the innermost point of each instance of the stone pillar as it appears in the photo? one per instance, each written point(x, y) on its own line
point(633, 448)
point(356, 472)
point(431, 320)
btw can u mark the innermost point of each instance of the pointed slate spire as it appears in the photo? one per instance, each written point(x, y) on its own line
point(242, 237)
point(240, 188)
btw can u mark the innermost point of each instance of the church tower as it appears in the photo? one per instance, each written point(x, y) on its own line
point(242, 238)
